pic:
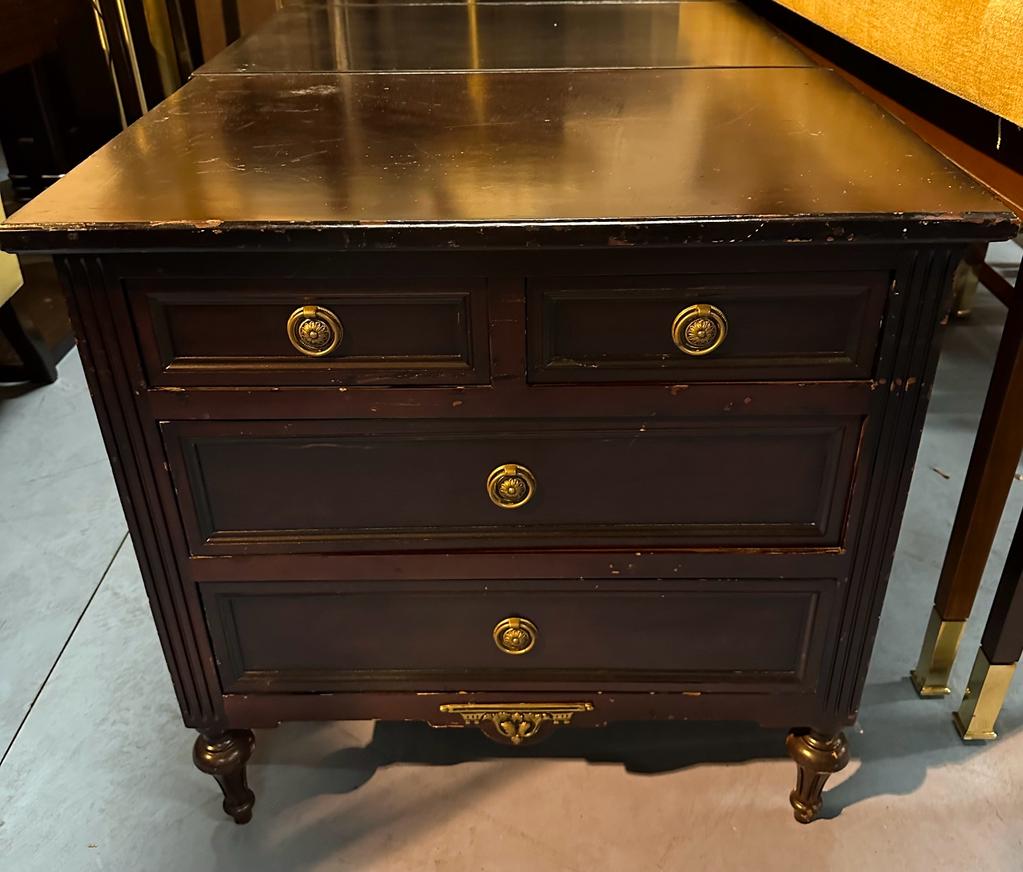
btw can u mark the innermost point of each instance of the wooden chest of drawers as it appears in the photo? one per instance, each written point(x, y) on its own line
point(398, 442)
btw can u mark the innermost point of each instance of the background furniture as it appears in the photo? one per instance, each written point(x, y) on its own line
point(37, 362)
point(989, 477)
point(996, 453)
point(1000, 650)
point(57, 100)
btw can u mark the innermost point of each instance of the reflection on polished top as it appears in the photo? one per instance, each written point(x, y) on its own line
point(354, 37)
point(734, 139)
point(702, 155)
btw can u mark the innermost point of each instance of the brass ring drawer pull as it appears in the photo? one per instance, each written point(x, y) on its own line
point(314, 330)
point(515, 635)
point(510, 486)
point(699, 329)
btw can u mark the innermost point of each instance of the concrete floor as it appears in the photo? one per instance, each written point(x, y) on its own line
point(96, 771)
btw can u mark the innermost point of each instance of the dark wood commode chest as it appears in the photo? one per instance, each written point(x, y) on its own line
point(513, 399)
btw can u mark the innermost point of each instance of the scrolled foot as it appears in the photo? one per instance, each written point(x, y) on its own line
point(224, 755)
point(817, 757)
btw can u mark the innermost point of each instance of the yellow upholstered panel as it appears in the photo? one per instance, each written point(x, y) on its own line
point(10, 273)
point(973, 48)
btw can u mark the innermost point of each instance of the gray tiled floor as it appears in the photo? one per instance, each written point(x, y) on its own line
point(60, 526)
point(98, 776)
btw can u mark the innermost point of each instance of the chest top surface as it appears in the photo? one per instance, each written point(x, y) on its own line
point(354, 37)
point(556, 157)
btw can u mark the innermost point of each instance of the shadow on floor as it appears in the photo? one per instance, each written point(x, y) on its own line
point(640, 747)
point(13, 390)
point(899, 738)
point(317, 768)
point(896, 741)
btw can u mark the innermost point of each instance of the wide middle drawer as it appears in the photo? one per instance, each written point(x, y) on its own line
point(350, 486)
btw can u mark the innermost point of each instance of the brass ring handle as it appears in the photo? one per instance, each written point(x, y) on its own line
point(515, 635)
point(314, 330)
point(510, 486)
point(699, 329)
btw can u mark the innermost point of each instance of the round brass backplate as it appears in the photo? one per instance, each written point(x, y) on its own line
point(515, 635)
point(510, 486)
point(314, 330)
point(699, 329)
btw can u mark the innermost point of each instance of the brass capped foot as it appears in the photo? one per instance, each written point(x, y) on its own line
point(817, 757)
point(224, 755)
point(982, 701)
point(937, 656)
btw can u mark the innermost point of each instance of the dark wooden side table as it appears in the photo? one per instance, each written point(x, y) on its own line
point(996, 453)
point(520, 400)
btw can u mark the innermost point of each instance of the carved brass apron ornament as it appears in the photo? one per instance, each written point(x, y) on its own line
point(516, 723)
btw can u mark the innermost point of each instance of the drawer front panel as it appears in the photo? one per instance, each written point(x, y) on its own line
point(783, 326)
point(299, 636)
point(365, 486)
point(200, 332)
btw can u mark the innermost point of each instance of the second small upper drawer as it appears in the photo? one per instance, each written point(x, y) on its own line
point(819, 325)
point(251, 331)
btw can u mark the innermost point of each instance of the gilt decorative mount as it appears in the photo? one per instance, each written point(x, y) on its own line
point(517, 723)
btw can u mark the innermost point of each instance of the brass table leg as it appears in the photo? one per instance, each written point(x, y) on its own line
point(937, 656)
point(983, 699)
point(996, 451)
point(818, 756)
point(1000, 650)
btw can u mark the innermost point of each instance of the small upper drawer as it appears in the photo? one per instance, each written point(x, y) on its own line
point(818, 325)
point(196, 331)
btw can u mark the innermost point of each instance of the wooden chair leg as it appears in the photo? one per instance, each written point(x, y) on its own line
point(1000, 651)
point(996, 451)
point(38, 364)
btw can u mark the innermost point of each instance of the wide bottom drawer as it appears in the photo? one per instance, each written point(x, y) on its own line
point(472, 636)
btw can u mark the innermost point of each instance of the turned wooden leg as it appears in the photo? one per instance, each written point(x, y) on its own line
point(224, 755)
point(817, 757)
